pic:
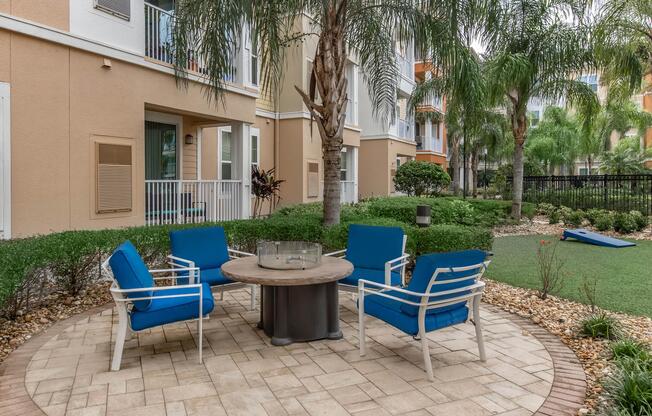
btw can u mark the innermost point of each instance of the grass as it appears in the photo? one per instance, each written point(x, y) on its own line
point(623, 277)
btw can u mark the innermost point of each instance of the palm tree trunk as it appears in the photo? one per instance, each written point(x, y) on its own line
point(329, 80)
point(519, 126)
point(474, 170)
point(455, 164)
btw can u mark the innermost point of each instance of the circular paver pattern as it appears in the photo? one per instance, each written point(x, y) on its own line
point(65, 370)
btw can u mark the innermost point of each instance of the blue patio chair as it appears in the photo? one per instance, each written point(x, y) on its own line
point(445, 290)
point(207, 249)
point(141, 304)
point(377, 253)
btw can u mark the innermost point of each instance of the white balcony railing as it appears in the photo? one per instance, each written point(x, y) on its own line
point(348, 195)
point(406, 67)
point(430, 144)
point(191, 201)
point(405, 130)
point(159, 25)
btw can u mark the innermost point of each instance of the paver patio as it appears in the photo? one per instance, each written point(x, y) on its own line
point(65, 371)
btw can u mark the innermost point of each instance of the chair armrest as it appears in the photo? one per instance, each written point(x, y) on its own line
point(389, 266)
point(475, 289)
point(336, 253)
point(156, 289)
point(179, 262)
point(234, 254)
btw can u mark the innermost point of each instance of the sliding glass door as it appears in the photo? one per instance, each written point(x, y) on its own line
point(160, 151)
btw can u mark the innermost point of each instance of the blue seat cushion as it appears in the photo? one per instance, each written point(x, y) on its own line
point(370, 274)
point(131, 273)
point(213, 277)
point(168, 310)
point(390, 311)
point(370, 247)
point(426, 266)
point(205, 246)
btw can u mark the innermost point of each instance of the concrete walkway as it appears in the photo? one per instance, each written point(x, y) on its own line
point(65, 371)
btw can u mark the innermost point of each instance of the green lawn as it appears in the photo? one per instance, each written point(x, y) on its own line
point(624, 275)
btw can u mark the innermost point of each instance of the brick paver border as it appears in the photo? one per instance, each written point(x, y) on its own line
point(566, 395)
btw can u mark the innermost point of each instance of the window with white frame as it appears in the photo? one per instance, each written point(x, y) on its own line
point(252, 49)
point(226, 155)
point(344, 165)
point(255, 147)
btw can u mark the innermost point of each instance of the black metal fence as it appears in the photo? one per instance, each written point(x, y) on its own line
point(612, 192)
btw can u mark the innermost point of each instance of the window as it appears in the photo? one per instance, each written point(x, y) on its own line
point(344, 165)
point(118, 8)
point(226, 161)
point(591, 80)
point(255, 147)
point(252, 47)
point(160, 151)
point(535, 117)
point(113, 178)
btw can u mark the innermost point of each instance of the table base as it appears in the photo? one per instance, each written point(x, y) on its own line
point(300, 313)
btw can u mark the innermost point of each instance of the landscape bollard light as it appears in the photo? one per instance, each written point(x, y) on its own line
point(423, 215)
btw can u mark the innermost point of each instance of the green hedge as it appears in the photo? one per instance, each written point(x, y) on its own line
point(69, 260)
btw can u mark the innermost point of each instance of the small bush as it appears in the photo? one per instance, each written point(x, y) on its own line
point(554, 217)
point(600, 326)
point(574, 218)
point(421, 178)
point(461, 212)
point(625, 223)
point(640, 219)
point(630, 389)
point(448, 237)
point(593, 214)
point(550, 273)
point(629, 348)
point(545, 208)
point(604, 222)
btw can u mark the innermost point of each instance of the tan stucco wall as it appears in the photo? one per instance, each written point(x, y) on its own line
point(62, 100)
point(377, 159)
point(54, 13)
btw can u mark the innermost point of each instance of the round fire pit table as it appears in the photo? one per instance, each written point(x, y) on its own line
point(295, 305)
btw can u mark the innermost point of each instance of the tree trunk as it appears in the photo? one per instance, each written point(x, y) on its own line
point(474, 172)
point(589, 161)
point(455, 164)
point(519, 126)
point(328, 78)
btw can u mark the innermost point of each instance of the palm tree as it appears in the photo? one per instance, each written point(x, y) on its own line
point(623, 43)
point(626, 157)
point(536, 48)
point(555, 140)
point(210, 30)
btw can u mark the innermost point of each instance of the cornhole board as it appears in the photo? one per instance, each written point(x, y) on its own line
point(590, 237)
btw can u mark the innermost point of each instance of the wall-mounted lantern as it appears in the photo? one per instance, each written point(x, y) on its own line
point(189, 139)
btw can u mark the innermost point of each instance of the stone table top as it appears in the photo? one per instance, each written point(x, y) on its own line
point(247, 270)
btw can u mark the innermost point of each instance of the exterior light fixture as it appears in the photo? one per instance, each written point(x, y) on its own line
point(423, 215)
point(189, 139)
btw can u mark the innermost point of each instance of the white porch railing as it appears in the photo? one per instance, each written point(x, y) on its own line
point(191, 201)
point(348, 195)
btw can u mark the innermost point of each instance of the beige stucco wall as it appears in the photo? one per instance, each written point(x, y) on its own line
point(377, 160)
point(62, 101)
point(54, 13)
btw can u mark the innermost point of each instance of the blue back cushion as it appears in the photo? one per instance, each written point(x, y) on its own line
point(131, 273)
point(371, 246)
point(426, 266)
point(206, 246)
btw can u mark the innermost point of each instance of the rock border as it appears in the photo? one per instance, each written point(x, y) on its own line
point(566, 396)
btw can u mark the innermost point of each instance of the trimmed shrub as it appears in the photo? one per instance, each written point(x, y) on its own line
point(421, 178)
point(604, 222)
point(574, 218)
point(554, 217)
point(593, 214)
point(448, 237)
point(640, 219)
point(545, 208)
point(600, 326)
point(624, 223)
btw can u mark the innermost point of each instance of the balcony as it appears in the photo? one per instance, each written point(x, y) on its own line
point(430, 144)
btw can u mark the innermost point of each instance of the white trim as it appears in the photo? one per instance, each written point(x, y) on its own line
point(295, 115)
point(26, 27)
point(172, 119)
point(266, 113)
point(388, 137)
point(5, 159)
point(198, 145)
point(255, 132)
point(221, 130)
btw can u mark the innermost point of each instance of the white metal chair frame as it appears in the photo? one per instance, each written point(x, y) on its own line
point(389, 267)
point(473, 298)
point(179, 262)
point(124, 304)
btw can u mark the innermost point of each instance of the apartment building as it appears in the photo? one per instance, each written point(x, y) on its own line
point(430, 129)
point(95, 132)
